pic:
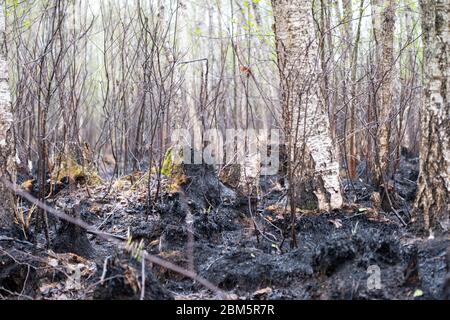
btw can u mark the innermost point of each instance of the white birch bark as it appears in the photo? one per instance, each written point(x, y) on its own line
point(306, 121)
point(433, 197)
point(6, 203)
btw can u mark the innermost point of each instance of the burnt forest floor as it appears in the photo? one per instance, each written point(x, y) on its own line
point(240, 245)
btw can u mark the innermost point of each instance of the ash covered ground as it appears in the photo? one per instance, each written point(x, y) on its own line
point(240, 244)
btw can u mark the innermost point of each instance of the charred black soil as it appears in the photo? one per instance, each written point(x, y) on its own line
point(239, 244)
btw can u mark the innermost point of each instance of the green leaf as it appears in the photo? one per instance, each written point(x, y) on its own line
point(418, 293)
point(167, 165)
point(197, 32)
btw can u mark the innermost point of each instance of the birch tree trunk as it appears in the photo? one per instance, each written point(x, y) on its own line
point(433, 197)
point(353, 95)
point(384, 23)
point(6, 198)
point(348, 97)
point(313, 163)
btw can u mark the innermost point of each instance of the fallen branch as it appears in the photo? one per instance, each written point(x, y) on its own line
point(114, 239)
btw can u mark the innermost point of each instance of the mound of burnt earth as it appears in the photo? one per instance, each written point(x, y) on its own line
point(402, 188)
point(71, 238)
point(179, 219)
point(432, 268)
point(121, 279)
point(203, 187)
point(246, 270)
point(360, 259)
point(204, 208)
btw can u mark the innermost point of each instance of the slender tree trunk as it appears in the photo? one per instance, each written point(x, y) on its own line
point(349, 97)
point(354, 68)
point(333, 93)
point(433, 197)
point(384, 24)
point(6, 141)
point(306, 123)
